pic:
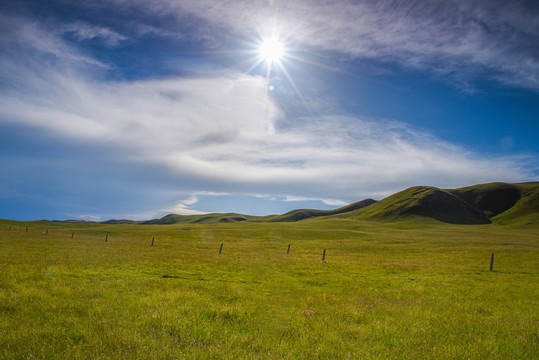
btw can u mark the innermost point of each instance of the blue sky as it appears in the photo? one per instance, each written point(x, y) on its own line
point(136, 109)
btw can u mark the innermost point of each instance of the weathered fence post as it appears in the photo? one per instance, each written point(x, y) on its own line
point(491, 261)
point(27, 229)
point(221, 249)
point(288, 251)
point(72, 234)
point(47, 232)
point(153, 238)
point(324, 256)
point(106, 237)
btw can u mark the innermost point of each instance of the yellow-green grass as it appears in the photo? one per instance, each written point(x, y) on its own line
point(402, 290)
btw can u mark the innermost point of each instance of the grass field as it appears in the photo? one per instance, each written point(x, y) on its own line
point(396, 290)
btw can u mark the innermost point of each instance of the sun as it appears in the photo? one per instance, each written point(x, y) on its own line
point(271, 50)
point(273, 53)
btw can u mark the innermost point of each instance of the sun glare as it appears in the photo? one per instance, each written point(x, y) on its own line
point(271, 50)
point(272, 53)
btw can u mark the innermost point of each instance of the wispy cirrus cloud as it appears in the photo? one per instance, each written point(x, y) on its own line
point(445, 36)
point(460, 39)
point(84, 31)
point(24, 40)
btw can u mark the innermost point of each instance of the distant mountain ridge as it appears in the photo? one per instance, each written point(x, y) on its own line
point(497, 202)
point(478, 204)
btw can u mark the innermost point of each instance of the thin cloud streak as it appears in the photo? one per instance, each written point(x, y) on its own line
point(331, 202)
point(84, 31)
point(24, 39)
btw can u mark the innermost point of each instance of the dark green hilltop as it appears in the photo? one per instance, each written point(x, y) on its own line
point(479, 204)
point(500, 203)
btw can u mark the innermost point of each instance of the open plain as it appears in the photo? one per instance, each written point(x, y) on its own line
point(396, 290)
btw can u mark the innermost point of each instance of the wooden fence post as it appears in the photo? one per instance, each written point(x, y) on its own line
point(288, 251)
point(220, 249)
point(153, 238)
point(491, 261)
point(324, 256)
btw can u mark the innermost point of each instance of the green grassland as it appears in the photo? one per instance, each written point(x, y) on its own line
point(411, 289)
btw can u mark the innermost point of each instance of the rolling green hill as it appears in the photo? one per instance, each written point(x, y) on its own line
point(526, 209)
point(478, 204)
point(200, 219)
point(301, 214)
point(291, 216)
point(492, 199)
point(121, 222)
point(424, 201)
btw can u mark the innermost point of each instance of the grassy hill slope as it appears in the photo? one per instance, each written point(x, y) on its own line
point(479, 204)
point(492, 199)
point(301, 214)
point(291, 216)
point(200, 219)
point(121, 222)
point(525, 211)
point(423, 201)
point(504, 203)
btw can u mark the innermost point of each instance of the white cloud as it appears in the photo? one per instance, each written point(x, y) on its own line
point(183, 207)
point(216, 129)
point(331, 202)
point(88, 217)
